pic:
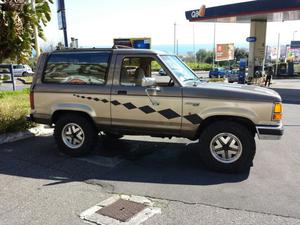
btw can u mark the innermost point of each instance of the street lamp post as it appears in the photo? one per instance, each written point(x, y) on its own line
point(277, 55)
point(194, 46)
point(214, 48)
point(175, 38)
point(36, 43)
point(294, 34)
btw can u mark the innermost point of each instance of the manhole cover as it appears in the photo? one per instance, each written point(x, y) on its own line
point(122, 210)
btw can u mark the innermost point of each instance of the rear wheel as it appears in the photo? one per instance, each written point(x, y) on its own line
point(75, 135)
point(227, 147)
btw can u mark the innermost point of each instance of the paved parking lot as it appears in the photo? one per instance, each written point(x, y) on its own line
point(38, 185)
point(9, 86)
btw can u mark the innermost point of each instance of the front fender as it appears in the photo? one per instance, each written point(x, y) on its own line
point(230, 111)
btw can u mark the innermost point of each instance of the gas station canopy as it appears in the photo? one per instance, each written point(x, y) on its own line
point(245, 12)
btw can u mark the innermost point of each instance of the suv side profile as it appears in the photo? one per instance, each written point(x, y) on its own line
point(82, 92)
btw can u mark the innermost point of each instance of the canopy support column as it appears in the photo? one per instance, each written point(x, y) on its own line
point(257, 49)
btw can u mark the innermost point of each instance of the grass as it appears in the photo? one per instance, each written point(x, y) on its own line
point(216, 79)
point(14, 106)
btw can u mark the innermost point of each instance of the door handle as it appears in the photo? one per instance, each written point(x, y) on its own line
point(121, 92)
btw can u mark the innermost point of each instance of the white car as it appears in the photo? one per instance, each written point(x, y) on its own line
point(22, 70)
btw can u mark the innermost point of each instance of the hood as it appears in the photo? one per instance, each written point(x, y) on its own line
point(233, 91)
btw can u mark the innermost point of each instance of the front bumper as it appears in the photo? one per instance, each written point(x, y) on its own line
point(270, 132)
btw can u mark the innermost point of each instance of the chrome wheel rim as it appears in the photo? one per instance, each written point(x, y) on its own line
point(73, 135)
point(226, 148)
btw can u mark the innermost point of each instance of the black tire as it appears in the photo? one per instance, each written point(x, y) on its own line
point(89, 132)
point(244, 158)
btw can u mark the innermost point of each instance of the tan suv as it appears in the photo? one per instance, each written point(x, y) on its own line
point(84, 92)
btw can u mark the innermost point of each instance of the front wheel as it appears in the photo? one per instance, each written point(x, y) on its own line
point(227, 147)
point(75, 135)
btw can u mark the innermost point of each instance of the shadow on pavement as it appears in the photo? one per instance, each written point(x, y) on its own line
point(140, 161)
point(289, 96)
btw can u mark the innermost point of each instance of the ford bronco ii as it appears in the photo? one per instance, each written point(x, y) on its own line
point(116, 92)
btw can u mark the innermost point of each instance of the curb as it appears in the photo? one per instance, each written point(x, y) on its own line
point(40, 130)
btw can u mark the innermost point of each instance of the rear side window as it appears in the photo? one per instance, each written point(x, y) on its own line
point(77, 68)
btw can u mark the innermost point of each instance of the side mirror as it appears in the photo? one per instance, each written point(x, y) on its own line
point(162, 72)
point(148, 82)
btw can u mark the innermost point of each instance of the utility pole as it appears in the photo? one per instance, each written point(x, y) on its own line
point(174, 38)
point(214, 48)
point(35, 30)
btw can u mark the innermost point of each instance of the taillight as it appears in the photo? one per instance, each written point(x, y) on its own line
point(31, 96)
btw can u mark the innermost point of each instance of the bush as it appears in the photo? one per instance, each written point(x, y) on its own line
point(14, 106)
point(4, 77)
point(199, 66)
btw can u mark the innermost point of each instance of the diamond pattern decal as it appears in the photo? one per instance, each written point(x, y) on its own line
point(169, 113)
point(147, 109)
point(129, 105)
point(194, 118)
point(115, 102)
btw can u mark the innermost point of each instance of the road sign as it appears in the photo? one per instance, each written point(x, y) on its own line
point(251, 39)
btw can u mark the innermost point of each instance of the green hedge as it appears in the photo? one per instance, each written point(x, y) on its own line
point(199, 66)
point(14, 106)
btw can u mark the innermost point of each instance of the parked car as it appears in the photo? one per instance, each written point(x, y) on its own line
point(84, 92)
point(22, 70)
point(218, 73)
point(233, 76)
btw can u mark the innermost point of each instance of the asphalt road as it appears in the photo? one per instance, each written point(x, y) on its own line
point(38, 185)
point(9, 86)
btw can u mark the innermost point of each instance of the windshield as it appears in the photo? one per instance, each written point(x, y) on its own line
point(180, 70)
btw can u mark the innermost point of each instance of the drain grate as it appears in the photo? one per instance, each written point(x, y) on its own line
point(122, 210)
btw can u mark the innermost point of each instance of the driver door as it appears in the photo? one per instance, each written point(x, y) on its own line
point(145, 109)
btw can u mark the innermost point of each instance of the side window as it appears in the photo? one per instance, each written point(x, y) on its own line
point(77, 68)
point(134, 69)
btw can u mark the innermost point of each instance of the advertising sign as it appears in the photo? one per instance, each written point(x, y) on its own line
point(225, 52)
point(139, 43)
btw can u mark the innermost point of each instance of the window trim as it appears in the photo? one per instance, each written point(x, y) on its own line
point(63, 53)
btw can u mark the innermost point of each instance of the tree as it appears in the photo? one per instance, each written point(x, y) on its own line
point(17, 21)
point(204, 56)
point(240, 53)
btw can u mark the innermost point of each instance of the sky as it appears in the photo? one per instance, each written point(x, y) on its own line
point(97, 22)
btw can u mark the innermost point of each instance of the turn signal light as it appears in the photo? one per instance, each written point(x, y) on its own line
point(277, 114)
point(278, 108)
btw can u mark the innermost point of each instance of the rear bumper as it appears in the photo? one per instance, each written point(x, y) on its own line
point(270, 132)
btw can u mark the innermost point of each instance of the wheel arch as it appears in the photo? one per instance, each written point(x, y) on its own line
point(60, 113)
point(242, 120)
